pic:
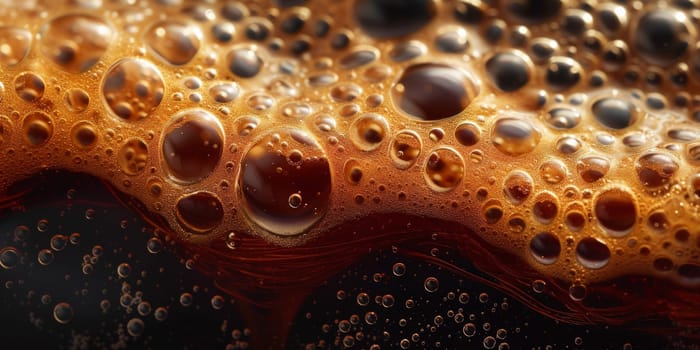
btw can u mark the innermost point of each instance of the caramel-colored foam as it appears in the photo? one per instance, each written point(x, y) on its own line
point(566, 136)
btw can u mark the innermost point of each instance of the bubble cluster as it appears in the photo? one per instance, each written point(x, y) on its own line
point(561, 133)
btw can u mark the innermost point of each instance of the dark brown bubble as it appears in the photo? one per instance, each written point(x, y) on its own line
point(508, 71)
point(655, 169)
point(387, 19)
point(563, 73)
point(431, 91)
point(467, 134)
point(192, 145)
point(353, 171)
point(592, 168)
point(37, 128)
point(176, 42)
point(279, 196)
point(358, 58)
point(518, 186)
point(615, 113)
point(84, 134)
point(29, 86)
point(545, 208)
point(592, 253)
point(616, 212)
point(662, 36)
point(492, 211)
point(244, 62)
point(133, 88)
point(199, 212)
point(575, 220)
point(658, 221)
point(563, 117)
point(545, 248)
point(663, 264)
point(368, 131)
point(444, 169)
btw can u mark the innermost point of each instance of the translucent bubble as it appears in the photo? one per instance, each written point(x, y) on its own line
point(76, 42)
point(514, 136)
point(509, 71)
point(123, 270)
point(84, 134)
point(368, 131)
point(160, 313)
point(431, 284)
point(444, 169)
point(133, 156)
point(244, 62)
point(199, 211)
point(655, 169)
point(545, 248)
point(176, 42)
point(615, 113)
point(45, 257)
point(14, 45)
point(399, 269)
point(135, 327)
point(9, 258)
point(58, 242)
point(192, 145)
point(592, 253)
point(405, 149)
point(518, 186)
point(616, 212)
point(133, 88)
point(467, 134)
point(217, 302)
point(267, 181)
point(663, 35)
point(421, 85)
point(29, 86)
point(186, 299)
point(63, 313)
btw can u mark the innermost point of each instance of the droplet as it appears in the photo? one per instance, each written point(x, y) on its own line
point(133, 88)
point(176, 42)
point(422, 85)
point(200, 211)
point(76, 42)
point(268, 179)
point(192, 145)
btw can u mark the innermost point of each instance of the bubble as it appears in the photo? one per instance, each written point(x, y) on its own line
point(655, 169)
point(405, 149)
point(616, 212)
point(517, 186)
point(467, 134)
point(452, 40)
point(160, 313)
point(37, 128)
point(388, 301)
point(268, 179)
point(575, 220)
point(63, 313)
point(592, 253)
point(431, 284)
point(358, 57)
point(545, 208)
point(492, 211)
point(563, 73)
point(77, 100)
point(9, 258)
point(29, 86)
point(545, 248)
point(615, 113)
point(76, 42)
point(509, 71)
point(384, 19)
point(144, 308)
point(244, 62)
point(58, 242)
point(407, 50)
point(562, 118)
point(514, 136)
point(135, 327)
point(132, 88)
point(123, 270)
point(45, 257)
point(133, 156)
point(14, 45)
point(444, 169)
point(368, 131)
point(399, 269)
point(592, 168)
point(192, 145)
point(568, 145)
point(612, 17)
point(200, 211)
point(224, 92)
point(84, 134)
point(469, 329)
point(421, 85)
point(662, 36)
point(533, 11)
point(174, 41)
point(663, 264)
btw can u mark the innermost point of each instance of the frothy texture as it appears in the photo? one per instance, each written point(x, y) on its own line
point(567, 137)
